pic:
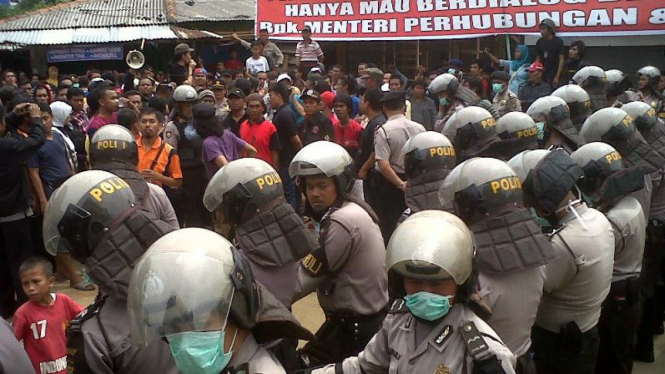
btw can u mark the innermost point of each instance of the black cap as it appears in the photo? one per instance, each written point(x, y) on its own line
point(236, 92)
point(226, 73)
point(394, 96)
point(203, 110)
point(501, 75)
point(311, 94)
point(243, 84)
point(218, 84)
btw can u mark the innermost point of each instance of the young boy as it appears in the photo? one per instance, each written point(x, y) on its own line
point(41, 322)
point(257, 63)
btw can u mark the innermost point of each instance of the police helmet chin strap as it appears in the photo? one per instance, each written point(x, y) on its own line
point(570, 207)
point(226, 320)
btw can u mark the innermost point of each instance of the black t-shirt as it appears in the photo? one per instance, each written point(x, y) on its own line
point(231, 124)
point(315, 129)
point(178, 73)
point(549, 52)
point(287, 127)
point(367, 140)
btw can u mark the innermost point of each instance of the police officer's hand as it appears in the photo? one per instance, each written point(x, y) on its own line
point(402, 186)
point(151, 175)
point(35, 112)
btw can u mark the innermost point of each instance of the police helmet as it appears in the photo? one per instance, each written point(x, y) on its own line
point(551, 109)
point(577, 99)
point(652, 73)
point(598, 161)
point(615, 81)
point(446, 82)
point(190, 280)
point(325, 158)
point(480, 187)
point(524, 162)
point(113, 143)
point(610, 125)
point(185, 93)
point(516, 125)
point(643, 115)
point(242, 187)
point(590, 76)
point(82, 210)
point(472, 130)
point(430, 245)
point(427, 152)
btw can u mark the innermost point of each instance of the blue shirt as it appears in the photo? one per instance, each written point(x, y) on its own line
point(519, 77)
point(53, 163)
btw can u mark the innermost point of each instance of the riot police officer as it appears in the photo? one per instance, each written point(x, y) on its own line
point(271, 235)
point(648, 86)
point(619, 89)
point(577, 280)
point(473, 131)
point(348, 270)
point(389, 180)
point(195, 291)
point(94, 216)
point(431, 328)
point(606, 184)
point(510, 248)
point(593, 80)
point(113, 149)
point(578, 101)
point(518, 132)
point(558, 130)
point(453, 96)
point(646, 120)
point(428, 158)
point(181, 134)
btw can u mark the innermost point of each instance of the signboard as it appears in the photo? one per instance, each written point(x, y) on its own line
point(365, 20)
point(85, 52)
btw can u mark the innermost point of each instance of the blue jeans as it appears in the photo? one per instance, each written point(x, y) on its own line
point(290, 190)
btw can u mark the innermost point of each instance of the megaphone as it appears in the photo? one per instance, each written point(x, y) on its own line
point(135, 59)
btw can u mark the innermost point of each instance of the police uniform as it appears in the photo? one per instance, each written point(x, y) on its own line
point(506, 102)
point(405, 344)
point(388, 142)
point(594, 81)
point(13, 358)
point(252, 358)
point(348, 270)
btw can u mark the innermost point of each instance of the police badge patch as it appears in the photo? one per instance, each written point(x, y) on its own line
point(168, 134)
point(442, 369)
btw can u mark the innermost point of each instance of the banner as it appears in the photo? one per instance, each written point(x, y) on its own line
point(446, 19)
point(90, 52)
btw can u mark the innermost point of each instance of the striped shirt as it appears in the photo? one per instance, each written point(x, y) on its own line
point(308, 52)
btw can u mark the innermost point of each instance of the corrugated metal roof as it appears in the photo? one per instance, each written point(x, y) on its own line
point(213, 10)
point(87, 35)
point(188, 34)
point(96, 13)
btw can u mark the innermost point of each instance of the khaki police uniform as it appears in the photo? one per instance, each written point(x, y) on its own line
point(506, 102)
point(252, 358)
point(404, 344)
point(388, 142)
point(13, 358)
point(351, 281)
point(577, 281)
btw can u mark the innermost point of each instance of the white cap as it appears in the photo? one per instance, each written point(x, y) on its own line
point(385, 87)
point(284, 76)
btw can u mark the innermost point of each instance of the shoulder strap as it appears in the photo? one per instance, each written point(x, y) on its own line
point(618, 229)
point(578, 260)
point(159, 153)
point(473, 339)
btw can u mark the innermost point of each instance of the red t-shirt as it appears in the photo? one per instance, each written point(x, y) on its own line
point(233, 64)
point(263, 136)
point(349, 135)
point(97, 122)
point(42, 329)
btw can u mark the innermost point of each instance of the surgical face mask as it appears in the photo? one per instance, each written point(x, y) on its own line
point(428, 306)
point(199, 352)
point(444, 101)
point(497, 87)
point(541, 130)
point(540, 221)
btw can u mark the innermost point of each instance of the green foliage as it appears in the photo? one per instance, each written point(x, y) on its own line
point(26, 6)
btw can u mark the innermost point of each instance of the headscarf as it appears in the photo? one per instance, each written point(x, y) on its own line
point(524, 60)
point(61, 111)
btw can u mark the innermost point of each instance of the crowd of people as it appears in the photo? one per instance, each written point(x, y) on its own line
point(502, 216)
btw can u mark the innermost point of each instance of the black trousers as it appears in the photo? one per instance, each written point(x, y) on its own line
point(389, 204)
point(341, 337)
point(187, 200)
point(564, 353)
point(15, 247)
point(619, 319)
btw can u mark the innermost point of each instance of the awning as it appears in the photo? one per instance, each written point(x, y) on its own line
point(103, 35)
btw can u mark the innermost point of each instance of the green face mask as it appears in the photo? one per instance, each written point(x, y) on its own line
point(444, 101)
point(497, 87)
point(428, 306)
point(542, 222)
point(199, 352)
point(541, 130)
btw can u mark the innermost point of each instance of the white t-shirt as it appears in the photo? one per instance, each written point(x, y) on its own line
point(256, 66)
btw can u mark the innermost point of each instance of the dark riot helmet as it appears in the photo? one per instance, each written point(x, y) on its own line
point(481, 187)
point(605, 177)
point(643, 115)
point(472, 130)
point(428, 152)
point(82, 210)
point(242, 188)
point(113, 143)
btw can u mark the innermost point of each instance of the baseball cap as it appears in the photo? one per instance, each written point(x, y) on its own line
point(456, 63)
point(549, 23)
point(199, 71)
point(284, 76)
point(394, 96)
point(236, 92)
point(311, 94)
point(375, 73)
point(535, 66)
point(328, 97)
point(218, 83)
point(182, 48)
